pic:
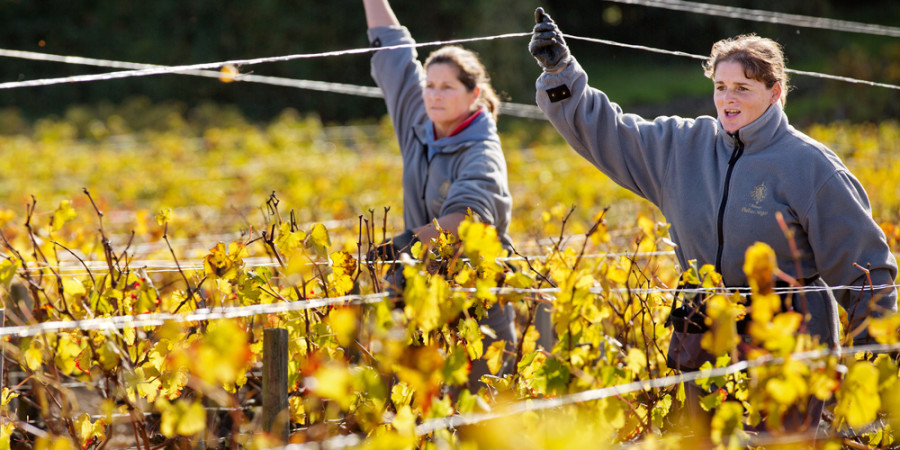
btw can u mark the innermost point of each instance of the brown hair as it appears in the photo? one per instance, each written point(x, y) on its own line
point(762, 59)
point(471, 73)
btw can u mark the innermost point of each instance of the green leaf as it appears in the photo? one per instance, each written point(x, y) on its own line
point(661, 410)
point(456, 368)
point(552, 377)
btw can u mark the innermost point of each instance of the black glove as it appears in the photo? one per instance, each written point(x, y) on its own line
point(390, 249)
point(547, 44)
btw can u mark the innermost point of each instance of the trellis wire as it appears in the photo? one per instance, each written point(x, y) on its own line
point(759, 15)
point(520, 407)
point(341, 88)
point(512, 109)
point(230, 312)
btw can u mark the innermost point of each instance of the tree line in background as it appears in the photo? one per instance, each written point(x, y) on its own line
point(175, 33)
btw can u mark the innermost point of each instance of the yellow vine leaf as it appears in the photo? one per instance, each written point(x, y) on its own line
point(287, 241)
point(222, 262)
point(530, 340)
point(857, 399)
point(424, 295)
point(636, 360)
point(333, 381)
point(67, 351)
point(298, 409)
point(405, 421)
point(6, 430)
point(760, 266)
point(722, 335)
point(34, 355)
point(779, 335)
point(342, 321)
point(495, 355)
point(401, 394)
point(64, 213)
point(481, 244)
point(343, 267)
point(471, 333)
point(709, 277)
point(319, 241)
point(822, 384)
point(8, 268)
point(6, 396)
point(73, 287)
point(88, 431)
point(163, 216)
point(764, 307)
point(182, 418)
point(885, 330)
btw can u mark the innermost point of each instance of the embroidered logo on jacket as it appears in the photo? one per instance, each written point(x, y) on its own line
point(757, 194)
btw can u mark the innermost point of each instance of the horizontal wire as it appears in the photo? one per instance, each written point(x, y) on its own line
point(531, 405)
point(153, 266)
point(705, 58)
point(511, 109)
point(237, 62)
point(202, 314)
point(758, 15)
point(206, 314)
point(525, 109)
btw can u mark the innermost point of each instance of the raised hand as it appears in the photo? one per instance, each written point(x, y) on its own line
point(547, 44)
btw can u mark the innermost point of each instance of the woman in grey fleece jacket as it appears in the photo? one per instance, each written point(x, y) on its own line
point(443, 115)
point(721, 182)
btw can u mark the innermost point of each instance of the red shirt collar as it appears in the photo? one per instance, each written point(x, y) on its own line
point(463, 125)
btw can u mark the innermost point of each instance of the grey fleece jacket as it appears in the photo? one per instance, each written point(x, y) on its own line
point(467, 170)
point(721, 192)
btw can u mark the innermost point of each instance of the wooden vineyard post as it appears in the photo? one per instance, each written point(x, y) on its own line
point(275, 412)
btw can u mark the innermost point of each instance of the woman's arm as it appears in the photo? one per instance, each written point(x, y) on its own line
point(449, 223)
point(379, 14)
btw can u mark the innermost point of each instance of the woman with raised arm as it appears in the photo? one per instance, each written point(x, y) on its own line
point(721, 183)
point(444, 117)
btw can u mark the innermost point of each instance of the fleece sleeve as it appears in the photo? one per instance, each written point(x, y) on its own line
point(400, 76)
point(480, 184)
point(843, 235)
point(632, 151)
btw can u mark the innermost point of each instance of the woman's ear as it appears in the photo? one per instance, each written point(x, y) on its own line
point(776, 94)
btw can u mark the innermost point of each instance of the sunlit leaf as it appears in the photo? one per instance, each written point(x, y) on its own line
point(857, 399)
point(182, 418)
point(759, 266)
point(63, 214)
point(495, 354)
point(88, 431)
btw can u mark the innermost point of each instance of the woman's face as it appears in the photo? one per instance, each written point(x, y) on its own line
point(447, 101)
point(740, 100)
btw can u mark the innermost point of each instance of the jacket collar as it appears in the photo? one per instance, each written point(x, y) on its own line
point(482, 128)
point(758, 134)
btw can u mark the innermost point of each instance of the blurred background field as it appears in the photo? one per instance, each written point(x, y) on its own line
point(215, 170)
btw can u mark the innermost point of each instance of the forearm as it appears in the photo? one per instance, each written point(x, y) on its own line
point(379, 14)
point(449, 223)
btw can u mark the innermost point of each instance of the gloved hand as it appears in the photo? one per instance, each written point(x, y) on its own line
point(547, 44)
point(390, 249)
